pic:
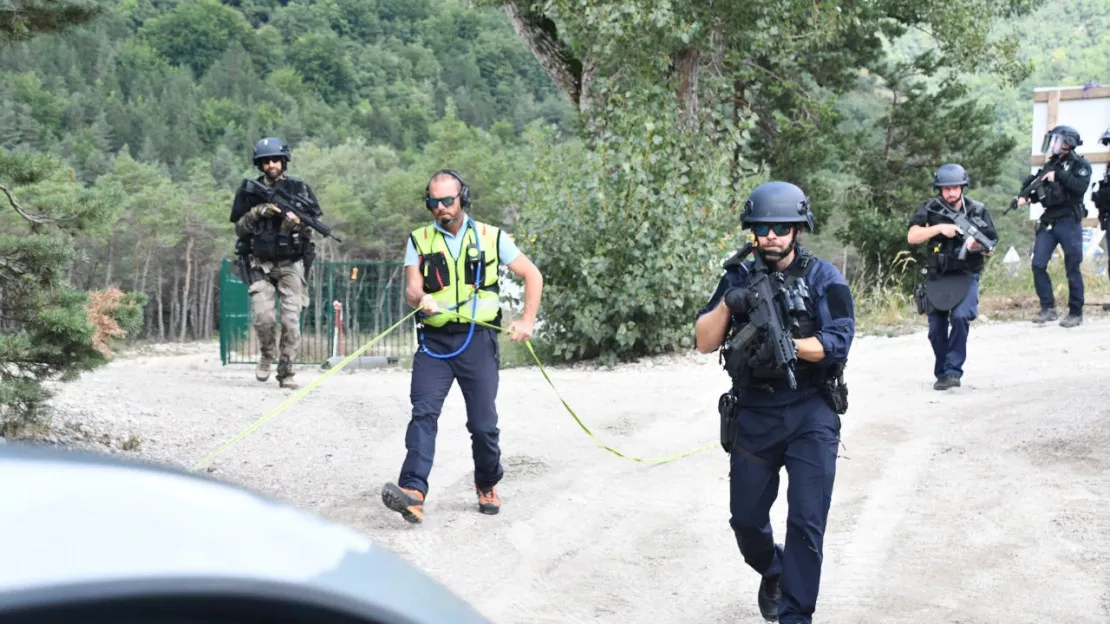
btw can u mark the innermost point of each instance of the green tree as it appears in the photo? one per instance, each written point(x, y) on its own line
point(48, 329)
point(703, 74)
point(197, 32)
point(920, 130)
point(24, 19)
point(628, 233)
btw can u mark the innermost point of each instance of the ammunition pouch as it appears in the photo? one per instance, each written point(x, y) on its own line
point(271, 243)
point(726, 407)
point(735, 362)
point(1054, 194)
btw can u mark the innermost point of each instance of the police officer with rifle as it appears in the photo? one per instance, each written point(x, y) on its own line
point(1101, 197)
point(273, 216)
point(959, 231)
point(784, 321)
point(1065, 176)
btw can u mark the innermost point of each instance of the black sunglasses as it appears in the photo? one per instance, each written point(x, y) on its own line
point(431, 202)
point(265, 160)
point(780, 229)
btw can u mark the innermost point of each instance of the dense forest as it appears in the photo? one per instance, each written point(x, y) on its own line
point(162, 101)
point(151, 109)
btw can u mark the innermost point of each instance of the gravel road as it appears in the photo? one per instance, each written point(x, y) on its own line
point(987, 503)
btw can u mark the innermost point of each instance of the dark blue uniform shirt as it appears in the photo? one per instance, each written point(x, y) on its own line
point(831, 299)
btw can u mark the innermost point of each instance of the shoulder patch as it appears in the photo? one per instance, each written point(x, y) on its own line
point(839, 297)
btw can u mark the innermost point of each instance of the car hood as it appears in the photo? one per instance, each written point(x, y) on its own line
point(80, 518)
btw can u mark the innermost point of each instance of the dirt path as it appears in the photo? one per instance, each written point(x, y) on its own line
point(988, 503)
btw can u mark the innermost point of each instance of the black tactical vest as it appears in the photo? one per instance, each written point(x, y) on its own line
point(801, 319)
point(270, 242)
point(944, 252)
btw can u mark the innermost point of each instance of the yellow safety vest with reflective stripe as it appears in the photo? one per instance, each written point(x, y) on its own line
point(450, 280)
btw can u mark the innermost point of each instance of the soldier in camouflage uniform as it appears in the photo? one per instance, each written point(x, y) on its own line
point(280, 253)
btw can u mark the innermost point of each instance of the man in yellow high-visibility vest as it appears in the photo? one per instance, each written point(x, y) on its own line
point(452, 264)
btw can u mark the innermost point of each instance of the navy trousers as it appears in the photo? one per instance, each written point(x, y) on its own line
point(803, 437)
point(476, 370)
point(950, 344)
point(1068, 233)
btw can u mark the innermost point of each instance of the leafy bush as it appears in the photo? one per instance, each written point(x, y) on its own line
point(628, 234)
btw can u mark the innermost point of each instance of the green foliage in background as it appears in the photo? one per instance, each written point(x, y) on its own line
point(619, 229)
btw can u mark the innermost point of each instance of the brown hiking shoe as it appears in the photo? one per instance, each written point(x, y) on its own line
point(408, 503)
point(287, 382)
point(488, 503)
point(262, 372)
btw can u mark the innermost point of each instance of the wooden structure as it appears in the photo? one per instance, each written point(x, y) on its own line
point(1085, 108)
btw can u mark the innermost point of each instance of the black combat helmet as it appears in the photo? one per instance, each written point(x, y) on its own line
point(1058, 137)
point(270, 147)
point(777, 202)
point(950, 175)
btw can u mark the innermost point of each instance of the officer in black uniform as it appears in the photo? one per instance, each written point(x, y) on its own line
point(765, 423)
point(1101, 197)
point(275, 252)
point(951, 295)
point(1066, 175)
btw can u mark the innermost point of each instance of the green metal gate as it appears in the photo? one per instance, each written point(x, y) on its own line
point(349, 303)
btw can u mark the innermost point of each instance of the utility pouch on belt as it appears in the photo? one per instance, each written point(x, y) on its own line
point(835, 392)
point(433, 267)
point(920, 300)
point(726, 406)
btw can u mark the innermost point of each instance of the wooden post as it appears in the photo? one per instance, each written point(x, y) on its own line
point(1053, 108)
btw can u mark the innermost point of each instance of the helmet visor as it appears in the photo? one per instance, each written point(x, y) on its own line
point(1053, 144)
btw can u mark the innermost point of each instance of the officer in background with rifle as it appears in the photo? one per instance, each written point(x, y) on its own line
point(959, 231)
point(1101, 197)
point(786, 321)
point(273, 217)
point(1065, 177)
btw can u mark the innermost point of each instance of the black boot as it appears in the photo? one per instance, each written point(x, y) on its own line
point(946, 382)
point(770, 594)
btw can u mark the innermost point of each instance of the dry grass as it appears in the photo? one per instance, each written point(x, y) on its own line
point(881, 304)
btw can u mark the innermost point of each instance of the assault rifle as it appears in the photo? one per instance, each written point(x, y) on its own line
point(1034, 191)
point(965, 226)
point(764, 302)
point(300, 204)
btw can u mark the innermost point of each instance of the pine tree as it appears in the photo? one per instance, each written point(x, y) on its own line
point(48, 329)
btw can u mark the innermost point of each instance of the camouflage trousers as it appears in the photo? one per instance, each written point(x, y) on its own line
point(288, 281)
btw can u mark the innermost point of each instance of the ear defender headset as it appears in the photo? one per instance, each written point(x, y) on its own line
point(464, 190)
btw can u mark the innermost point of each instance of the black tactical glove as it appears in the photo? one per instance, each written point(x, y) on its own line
point(760, 356)
point(736, 299)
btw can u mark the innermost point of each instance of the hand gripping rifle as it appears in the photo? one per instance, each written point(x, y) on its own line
point(764, 302)
point(964, 225)
point(300, 204)
point(1034, 191)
